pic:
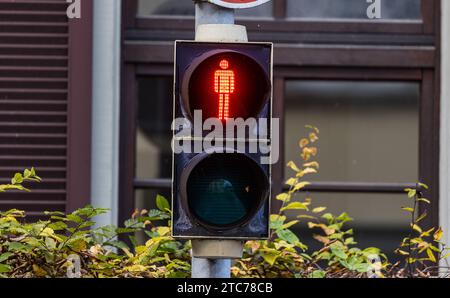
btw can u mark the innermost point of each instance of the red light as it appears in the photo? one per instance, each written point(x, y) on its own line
point(224, 86)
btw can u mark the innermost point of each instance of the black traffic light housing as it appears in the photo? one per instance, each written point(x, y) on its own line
point(223, 193)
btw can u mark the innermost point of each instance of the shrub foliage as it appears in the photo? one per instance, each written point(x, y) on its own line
point(48, 247)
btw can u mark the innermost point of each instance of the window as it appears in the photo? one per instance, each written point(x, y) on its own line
point(369, 130)
point(369, 85)
point(352, 9)
point(153, 137)
point(369, 134)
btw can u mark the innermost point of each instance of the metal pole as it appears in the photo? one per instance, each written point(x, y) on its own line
point(208, 13)
point(210, 268)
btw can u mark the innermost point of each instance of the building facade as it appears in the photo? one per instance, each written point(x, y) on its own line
point(88, 102)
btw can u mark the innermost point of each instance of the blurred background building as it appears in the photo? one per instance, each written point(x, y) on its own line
point(88, 102)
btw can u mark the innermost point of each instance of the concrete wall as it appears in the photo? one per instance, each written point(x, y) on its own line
point(105, 112)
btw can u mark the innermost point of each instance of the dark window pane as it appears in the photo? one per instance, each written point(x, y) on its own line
point(153, 135)
point(265, 10)
point(166, 7)
point(352, 9)
point(378, 220)
point(369, 130)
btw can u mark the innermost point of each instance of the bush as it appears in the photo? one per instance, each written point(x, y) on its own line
point(53, 247)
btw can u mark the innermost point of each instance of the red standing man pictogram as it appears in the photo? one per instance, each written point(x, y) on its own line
point(224, 85)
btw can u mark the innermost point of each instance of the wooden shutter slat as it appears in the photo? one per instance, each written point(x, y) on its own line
point(34, 43)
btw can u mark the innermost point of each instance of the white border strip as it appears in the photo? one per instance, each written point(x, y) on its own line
point(444, 210)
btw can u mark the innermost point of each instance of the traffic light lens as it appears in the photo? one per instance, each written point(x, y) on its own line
point(226, 85)
point(224, 190)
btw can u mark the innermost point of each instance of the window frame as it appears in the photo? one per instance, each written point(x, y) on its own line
point(406, 50)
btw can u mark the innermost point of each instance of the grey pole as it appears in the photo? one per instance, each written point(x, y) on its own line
point(208, 13)
point(211, 268)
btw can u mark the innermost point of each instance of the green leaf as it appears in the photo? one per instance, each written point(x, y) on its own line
point(319, 209)
point(295, 206)
point(75, 218)
point(119, 244)
point(338, 252)
point(50, 243)
point(276, 221)
point(270, 255)
point(4, 268)
point(162, 203)
point(5, 256)
point(57, 226)
point(328, 216)
point(318, 274)
point(362, 268)
point(288, 236)
point(344, 217)
point(16, 246)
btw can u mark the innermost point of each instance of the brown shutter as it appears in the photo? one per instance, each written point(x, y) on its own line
point(34, 105)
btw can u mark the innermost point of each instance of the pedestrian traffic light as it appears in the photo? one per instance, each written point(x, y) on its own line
point(222, 191)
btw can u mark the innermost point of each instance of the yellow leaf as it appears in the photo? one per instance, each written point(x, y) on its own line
point(255, 245)
point(47, 232)
point(422, 246)
point(312, 128)
point(306, 172)
point(424, 200)
point(289, 224)
point(438, 234)
point(162, 231)
point(308, 152)
point(293, 166)
point(409, 209)
point(328, 231)
point(322, 239)
point(127, 252)
point(303, 143)
point(39, 271)
point(313, 164)
point(427, 233)
point(446, 256)
point(421, 217)
point(135, 268)
point(283, 197)
point(431, 255)
point(403, 253)
point(295, 206)
point(411, 192)
point(319, 209)
point(300, 185)
point(416, 228)
point(291, 181)
point(313, 137)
